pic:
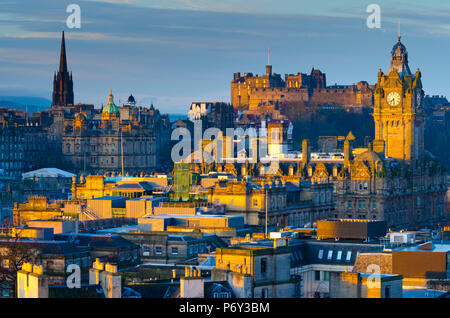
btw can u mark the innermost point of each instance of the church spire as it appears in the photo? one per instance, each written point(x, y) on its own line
point(62, 81)
point(63, 60)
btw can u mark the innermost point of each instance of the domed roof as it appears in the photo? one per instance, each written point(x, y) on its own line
point(399, 59)
point(399, 48)
point(131, 100)
point(110, 108)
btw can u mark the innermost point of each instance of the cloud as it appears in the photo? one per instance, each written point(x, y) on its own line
point(23, 56)
point(188, 50)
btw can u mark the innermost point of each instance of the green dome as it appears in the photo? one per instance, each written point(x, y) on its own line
point(110, 108)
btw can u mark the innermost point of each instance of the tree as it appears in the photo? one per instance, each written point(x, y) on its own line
point(13, 253)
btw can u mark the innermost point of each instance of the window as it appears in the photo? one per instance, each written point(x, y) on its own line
point(175, 250)
point(316, 275)
point(145, 250)
point(339, 255)
point(158, 250)
point(5, 290)
point(330, 254)
point(349, 256)
point(374, 205)
point(349, 204)
point(264, 293)
point(5, 263)
point(51, 265)
point(326, 276)
point(263, 265)
point(387, 291)
point(320, 254)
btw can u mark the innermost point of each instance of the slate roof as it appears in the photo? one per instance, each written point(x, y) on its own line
point(48, 247)
point(97, 240)
point(139, 186)
point(217, 287)
point(156, 290)
point(330, 253)
point(172, 289)
point(85, 291)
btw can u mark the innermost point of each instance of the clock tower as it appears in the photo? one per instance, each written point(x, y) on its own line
point(398, 109)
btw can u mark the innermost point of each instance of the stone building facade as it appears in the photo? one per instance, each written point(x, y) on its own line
point(110, 143)
point(252, 91)
point(395, 179)
point(89, 139)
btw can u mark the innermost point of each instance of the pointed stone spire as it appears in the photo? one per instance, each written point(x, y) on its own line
point(63, 60)
point(62, 82)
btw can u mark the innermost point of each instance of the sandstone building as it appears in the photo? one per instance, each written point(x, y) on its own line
point(110, 143)
point(252, 91)
point(94, 140)
point(395, 179)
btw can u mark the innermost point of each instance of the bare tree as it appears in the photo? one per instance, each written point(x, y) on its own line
point(13, 253)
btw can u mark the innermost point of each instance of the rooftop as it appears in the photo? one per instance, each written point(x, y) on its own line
point(110, 198)
point(434, 247)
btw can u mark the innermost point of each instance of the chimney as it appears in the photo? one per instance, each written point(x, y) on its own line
point(108, 277)
point(94, 272)
point(31, 282)
point(192, 286)
point(111, 282)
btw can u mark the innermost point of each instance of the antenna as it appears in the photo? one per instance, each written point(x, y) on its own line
point(399, 36)
point(268, 56)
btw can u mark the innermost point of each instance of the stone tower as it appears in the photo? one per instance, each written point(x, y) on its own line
point(62, 81)
point(398, 108)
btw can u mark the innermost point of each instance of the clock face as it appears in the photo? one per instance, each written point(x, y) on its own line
point(393, 98)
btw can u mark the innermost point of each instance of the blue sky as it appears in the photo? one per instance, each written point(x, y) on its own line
point(173, 52)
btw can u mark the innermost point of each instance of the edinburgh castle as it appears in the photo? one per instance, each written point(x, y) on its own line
point(253, 91)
